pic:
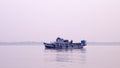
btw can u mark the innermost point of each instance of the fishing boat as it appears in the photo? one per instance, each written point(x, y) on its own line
point(63, 44)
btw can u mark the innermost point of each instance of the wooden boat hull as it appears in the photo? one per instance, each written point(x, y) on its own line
point(55, 46)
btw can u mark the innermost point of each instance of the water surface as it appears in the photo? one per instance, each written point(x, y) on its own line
point(36, 56)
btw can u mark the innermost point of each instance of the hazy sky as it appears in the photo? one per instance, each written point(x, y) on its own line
point(44, 20)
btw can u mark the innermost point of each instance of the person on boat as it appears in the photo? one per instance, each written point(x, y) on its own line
point(58, 38)
point(71, 41)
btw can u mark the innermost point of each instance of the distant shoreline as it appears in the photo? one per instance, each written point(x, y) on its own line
point(20, 43)
point(40, 43)
point(103, 43)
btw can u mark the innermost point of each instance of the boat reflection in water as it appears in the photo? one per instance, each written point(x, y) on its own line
point(65, 55)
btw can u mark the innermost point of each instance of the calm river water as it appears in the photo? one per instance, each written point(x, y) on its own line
point(36, 56)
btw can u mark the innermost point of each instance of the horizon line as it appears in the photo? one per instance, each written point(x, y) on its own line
point(35, 42)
